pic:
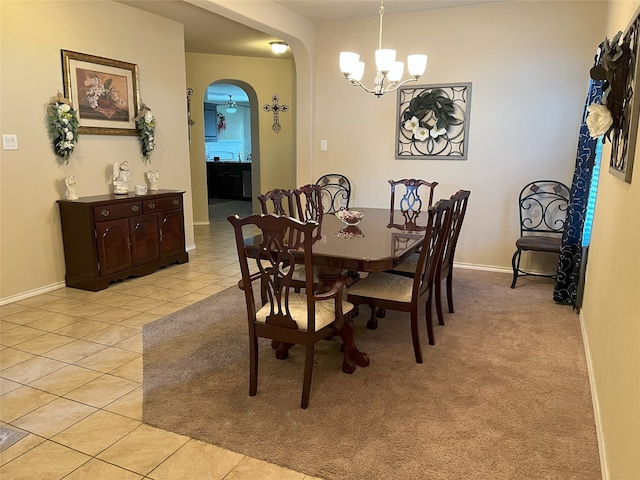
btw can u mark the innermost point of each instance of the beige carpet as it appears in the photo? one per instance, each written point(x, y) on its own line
point(503, 394)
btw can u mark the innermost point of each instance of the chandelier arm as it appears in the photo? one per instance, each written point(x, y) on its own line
point(357, 83)
point(394, 86)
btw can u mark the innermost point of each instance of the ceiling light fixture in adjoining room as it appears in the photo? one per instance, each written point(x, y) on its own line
point(386, 67)
point(278, 47)
point(231, 106)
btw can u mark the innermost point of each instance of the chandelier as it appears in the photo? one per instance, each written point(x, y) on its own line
point(386, 67)
point(231, 106)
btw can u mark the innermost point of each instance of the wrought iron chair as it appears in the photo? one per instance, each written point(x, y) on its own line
point(410, 203)
point(543, 208)
point(445, 268)
point(388, 291)
point(277, 197)
point(286, 317)
point(336, 192)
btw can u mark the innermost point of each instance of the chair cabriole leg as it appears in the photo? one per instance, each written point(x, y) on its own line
point(515, 264)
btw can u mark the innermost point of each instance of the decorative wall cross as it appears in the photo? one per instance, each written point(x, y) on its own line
point(276, 109)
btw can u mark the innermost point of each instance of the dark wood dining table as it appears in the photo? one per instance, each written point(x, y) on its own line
point(370, 246)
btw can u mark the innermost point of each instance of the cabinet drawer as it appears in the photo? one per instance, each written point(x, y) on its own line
point(161, 204)
point(117, 210)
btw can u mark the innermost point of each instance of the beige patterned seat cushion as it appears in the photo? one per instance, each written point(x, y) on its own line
point(386, 286)
point(409, 264)
point(300, 274)
point(325, 311)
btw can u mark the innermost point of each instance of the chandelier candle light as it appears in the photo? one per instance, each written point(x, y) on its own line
point(387, 67)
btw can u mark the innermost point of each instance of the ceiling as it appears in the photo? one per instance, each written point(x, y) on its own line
point(207, 32)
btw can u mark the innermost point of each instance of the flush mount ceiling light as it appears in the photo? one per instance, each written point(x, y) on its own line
point(231, 106)
point(278, 47)
point(386, 67)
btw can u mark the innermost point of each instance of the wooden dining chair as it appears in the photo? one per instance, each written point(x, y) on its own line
point(274, 201)
point(395, 292)
point(285, 316)
point(407, 268)
point(308, 200)
point(336, 192)
point(410, 202)
point(543, 208)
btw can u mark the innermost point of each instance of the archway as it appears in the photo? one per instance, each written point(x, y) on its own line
point(232, 150)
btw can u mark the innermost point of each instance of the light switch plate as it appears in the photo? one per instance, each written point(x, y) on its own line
point(323, 144)
point(10, 142)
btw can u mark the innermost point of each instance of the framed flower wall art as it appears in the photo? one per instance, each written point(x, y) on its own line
point(433, 122)
point(104, 92)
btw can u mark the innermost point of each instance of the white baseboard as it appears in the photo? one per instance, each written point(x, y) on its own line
point(31, 293)
point(202, 223)
point(604, 468)
point(484, 268)
point(190, 247)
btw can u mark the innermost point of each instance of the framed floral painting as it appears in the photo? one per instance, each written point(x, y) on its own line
point(433, 122)
point(104, 92)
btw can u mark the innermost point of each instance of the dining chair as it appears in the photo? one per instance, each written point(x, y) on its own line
point(543, 208)
point(410, 203)
point(308, 200)
point(395, 292)
point(276, 197)
point(407, 268)
point(336, 192)
point(285, 316)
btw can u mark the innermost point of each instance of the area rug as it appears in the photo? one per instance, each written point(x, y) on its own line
point(503, 394)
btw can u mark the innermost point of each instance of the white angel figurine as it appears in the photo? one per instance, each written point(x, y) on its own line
point(121, 177)
point(152, 177)
point(70, 182)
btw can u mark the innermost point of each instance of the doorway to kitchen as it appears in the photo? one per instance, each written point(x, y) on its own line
point(231, 143)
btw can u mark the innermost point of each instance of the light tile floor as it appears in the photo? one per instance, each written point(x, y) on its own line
point(71, 376)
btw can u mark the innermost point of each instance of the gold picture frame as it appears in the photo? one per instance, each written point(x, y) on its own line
point(103, 92)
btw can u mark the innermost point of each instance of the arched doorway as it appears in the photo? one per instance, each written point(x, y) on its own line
point(231, 144)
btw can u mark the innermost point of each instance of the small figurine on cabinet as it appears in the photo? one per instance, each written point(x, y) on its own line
point(121, 177)
point(70, 182)
point(152, 177)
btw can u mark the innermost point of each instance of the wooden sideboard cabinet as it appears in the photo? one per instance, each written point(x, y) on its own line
point(112, 237)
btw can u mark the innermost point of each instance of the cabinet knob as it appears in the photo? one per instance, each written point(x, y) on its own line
point(152, 205)
point(176, 202)
point(135, 208)
point(105, 213)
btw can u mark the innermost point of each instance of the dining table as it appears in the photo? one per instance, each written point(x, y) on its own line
point(373, 245)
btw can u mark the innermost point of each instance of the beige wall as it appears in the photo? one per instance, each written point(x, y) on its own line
point(611, 310)
point(275, 156)
point(528, 63)
point(32, 35)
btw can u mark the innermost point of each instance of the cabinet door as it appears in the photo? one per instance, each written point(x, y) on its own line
point(114, 248)
point(144, 239)
point(171, 228)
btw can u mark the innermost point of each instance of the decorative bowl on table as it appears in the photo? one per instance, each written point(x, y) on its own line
point(350, 217)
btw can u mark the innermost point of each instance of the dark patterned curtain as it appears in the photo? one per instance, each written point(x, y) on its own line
point(568, 274)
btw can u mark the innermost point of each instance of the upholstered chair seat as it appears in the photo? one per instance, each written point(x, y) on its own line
point(298, 306)
point(385, 286)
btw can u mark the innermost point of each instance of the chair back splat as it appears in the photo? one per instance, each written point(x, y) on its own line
point(543, 208)
point(286, 317)
point(410, 203)
point(309, 202)
point(336, 192)
point(278, 197)
point(385, 290)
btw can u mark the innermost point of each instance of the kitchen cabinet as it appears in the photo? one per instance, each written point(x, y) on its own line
point(108, 238)
point(231, 180)
point(210, 122)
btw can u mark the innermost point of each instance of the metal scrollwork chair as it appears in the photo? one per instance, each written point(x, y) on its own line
point(336, 192)
point(543, 208)
point(411, 203)
point(286, 317)
point(405, 294)
point(277, 196)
